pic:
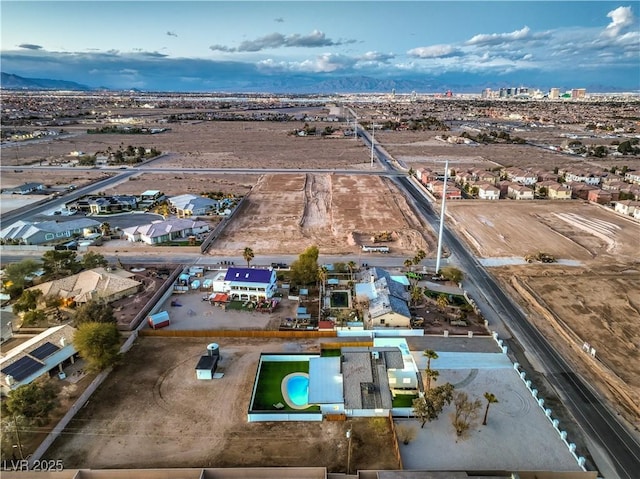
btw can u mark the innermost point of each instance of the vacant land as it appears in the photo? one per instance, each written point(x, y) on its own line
point(597, 301)
point(153, 412)
point(174, 184)
point(287, 213)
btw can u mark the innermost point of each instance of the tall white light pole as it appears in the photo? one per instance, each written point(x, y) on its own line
point(355, 126)
point(442, 210)
point(373, 140)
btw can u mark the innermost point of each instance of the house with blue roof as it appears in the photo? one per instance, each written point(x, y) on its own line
point(250, 283)
point(388, 299)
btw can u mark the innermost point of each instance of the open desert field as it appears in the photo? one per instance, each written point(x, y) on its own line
point(422, 149)
point(153, 413)
point(595, 301)
point(181, 183)
point(211, 144)
point(287, 213)
point(52, 177)
point(572, 230)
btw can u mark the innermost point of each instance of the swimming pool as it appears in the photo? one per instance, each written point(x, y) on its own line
point(297, 386)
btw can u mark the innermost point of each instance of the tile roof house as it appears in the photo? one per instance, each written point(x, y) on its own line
point(602, 197)
point(48, 231)
point(46, 352)
point(520, 192)
point(250, 283)
point(96, 283)
point(388, 299)
point(488, 191)
point(192, 205)
point(112, 204)
point(627, 207)
point(162, 231)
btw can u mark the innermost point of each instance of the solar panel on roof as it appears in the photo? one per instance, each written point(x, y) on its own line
point(22, 368)
point(44, 351)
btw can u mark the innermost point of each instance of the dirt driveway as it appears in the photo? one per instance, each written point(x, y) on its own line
point(153, 412)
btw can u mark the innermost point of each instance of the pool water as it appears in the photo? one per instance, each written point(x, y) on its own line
point(298, 390)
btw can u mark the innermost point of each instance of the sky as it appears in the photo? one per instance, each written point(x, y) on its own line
point(423, 46)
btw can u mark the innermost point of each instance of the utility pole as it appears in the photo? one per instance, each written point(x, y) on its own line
point(373, 140)
point(349, 449)
point(15, 423)
point(442, 211)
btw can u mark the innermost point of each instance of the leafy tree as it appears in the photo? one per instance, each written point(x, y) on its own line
point(304, 270)
point(543, 192)
point(16, 274)
point(406, 433)
point(28, 301)
point(466, 412)
point(98, 344)
point(31, 318)
point(93, 260)
point(34, 401)
point(428, 407)
point(248, 255)
point(491, 399)
point(94, 311)
point(57, 264)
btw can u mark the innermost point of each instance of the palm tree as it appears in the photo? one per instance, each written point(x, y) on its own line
point(408, 263)
point(105, 229)
point(430, 354)
point(431, 374)
point(491, 399)
point(442, 301)
point(416, 294)
point(352, 266)
point(248, 255)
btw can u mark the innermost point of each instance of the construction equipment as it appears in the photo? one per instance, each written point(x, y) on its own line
point(540, 257)
point(383, 237)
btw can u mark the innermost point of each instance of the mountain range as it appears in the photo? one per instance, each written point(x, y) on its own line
point(15, 82)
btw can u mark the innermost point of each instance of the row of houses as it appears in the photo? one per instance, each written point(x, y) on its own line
point(182, 205)
point(522, 185)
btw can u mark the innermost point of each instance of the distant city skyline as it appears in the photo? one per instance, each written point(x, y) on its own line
point(301, 46)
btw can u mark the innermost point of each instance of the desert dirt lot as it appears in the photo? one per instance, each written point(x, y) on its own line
point(597, 301)
point(285, 213)
point(157, 414)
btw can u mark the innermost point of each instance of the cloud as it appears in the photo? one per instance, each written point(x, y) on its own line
point(278, 40)
point(377, 57)
point(621, 18)
point(325, 63)
point(221, 48)
point(172, 34)
point(522, 35)
point(30, 46)
point(279, 20)
point(434, 51)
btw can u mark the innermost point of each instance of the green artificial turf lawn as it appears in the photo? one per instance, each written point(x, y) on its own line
point(269, 390)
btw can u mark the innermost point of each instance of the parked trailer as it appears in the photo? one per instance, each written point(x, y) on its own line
point(375, 249)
